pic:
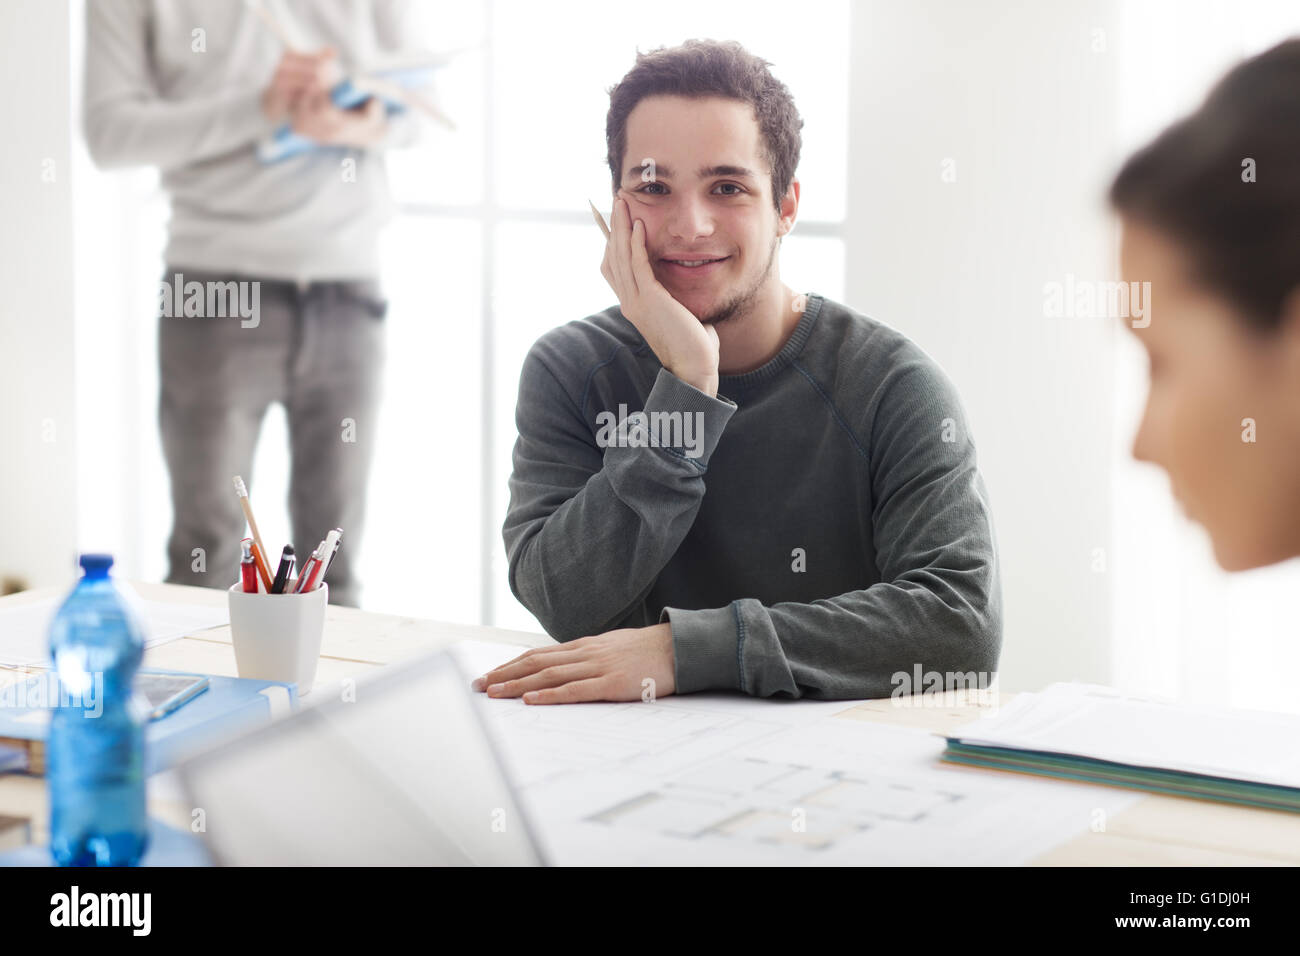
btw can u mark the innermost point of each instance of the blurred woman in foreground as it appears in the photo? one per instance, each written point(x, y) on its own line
point(1211, 218)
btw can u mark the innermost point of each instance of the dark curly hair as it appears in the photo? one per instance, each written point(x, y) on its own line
point(701, 68)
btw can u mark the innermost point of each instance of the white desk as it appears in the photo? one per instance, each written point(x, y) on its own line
point(1156, 831)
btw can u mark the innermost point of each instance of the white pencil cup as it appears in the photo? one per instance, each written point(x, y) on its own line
point(277, 636)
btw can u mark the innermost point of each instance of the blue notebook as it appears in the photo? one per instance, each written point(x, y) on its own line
point(230, 706)
point(12, 758)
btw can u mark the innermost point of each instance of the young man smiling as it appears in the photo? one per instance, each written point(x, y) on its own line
point(832, 531)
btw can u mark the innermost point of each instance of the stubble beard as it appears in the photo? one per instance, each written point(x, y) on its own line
point(741, 303)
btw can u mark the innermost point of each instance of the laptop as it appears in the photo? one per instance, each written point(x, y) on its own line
point(403, 773)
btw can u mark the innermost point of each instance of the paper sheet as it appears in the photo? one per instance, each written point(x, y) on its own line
point(722, 779)
point(25, 628)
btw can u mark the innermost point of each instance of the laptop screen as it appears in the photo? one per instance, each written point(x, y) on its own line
point(401, 771)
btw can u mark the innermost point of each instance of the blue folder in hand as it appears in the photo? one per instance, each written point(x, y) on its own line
point(284, 142)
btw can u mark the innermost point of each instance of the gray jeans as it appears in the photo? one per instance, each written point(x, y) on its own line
point(318, 349)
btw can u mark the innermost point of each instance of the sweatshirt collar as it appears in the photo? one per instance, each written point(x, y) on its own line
point(789, 352)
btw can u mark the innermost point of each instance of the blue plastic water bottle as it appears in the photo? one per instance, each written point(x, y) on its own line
point(95, 752)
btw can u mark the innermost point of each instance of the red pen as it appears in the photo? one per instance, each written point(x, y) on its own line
point(307, 575)
point(248, 567)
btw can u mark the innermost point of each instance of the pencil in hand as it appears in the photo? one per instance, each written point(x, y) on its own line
point(600, 220)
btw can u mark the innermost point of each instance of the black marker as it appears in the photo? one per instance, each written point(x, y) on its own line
point(283, 571)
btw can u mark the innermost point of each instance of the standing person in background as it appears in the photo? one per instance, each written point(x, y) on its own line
point(192, 86)
point(1211, 217)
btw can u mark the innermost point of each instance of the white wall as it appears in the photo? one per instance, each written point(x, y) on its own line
point(1017, 96)
point(37, 434)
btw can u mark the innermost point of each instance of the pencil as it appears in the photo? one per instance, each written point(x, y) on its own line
point(270, 20)
point(259, 550)
point(600, 220)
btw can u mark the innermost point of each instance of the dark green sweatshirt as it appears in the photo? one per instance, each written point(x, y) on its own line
point(818, 529)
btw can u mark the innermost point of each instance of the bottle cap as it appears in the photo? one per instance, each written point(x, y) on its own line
point(96, 565)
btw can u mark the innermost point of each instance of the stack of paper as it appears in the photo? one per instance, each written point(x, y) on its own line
point(25, 628)
point(1100, 735)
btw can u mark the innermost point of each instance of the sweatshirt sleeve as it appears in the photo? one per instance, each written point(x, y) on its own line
point(591, 524)
point(127, 122)
point(937, 606)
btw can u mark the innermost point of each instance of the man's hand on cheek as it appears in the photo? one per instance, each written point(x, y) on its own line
point(684, 345)
point(630, 664)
